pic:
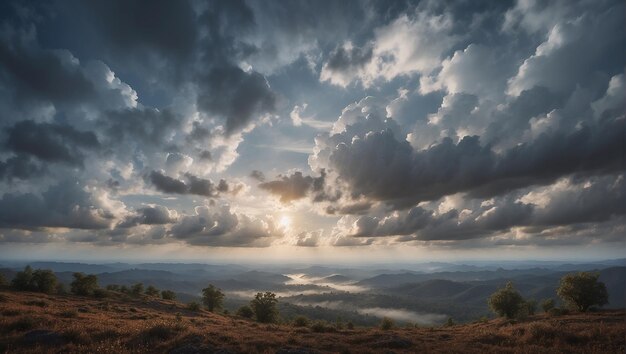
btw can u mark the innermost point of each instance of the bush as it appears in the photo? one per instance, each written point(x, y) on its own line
point(168, 295)
point(547, 305)
point(84, 285)
point(386, 324)
point(212, 298)
point(193, 306)
point(136, 289)
point(301, 321)
point(557, 311)
point(101, 293)
point(582, 290)
point(265, 307)
point(350, 325)
point(245, 311)
point(506, 302)
point(450, 322)
point(3, 280)
point(23, 280)
point(152, 291)
point(531, 306)
point(44, 281)
point(41, 280)
point(320, 327)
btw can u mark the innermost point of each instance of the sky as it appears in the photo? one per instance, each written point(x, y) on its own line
point(313, 131)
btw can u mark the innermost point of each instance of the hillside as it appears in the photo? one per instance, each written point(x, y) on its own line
point(33, 322)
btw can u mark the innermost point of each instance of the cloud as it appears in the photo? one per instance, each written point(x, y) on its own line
point(220, 227)
point(65, 204)
point(50, 142)
point(191, 185)
point(152, 215)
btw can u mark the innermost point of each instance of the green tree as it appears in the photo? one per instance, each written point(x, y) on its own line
point(152, 291)
point(245, 311)
point(265, 307)
point(83, 284)
point(583, 290)
point(506, 301)
point(193, 306)
point(212, 298)
point(44, 281)
point(168, 295)
point(136, 289)
point(547, 305)
point(23, 280)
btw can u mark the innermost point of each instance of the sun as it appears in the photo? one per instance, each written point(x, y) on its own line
point(284, 221)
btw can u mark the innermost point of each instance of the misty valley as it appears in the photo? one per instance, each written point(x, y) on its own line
point(422, 294)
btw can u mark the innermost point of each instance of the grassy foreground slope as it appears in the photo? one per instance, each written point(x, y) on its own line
point(35, 323)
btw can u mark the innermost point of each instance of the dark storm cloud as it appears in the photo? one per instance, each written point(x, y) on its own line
point(35, 74)
point(597, 200)
point(191, 185)
point(153, 215)
point(141, 127)
point(235, 95)
point(63, 205)
point(380, 167)
point(50, 142)
point(136, 29)
point(20, 167)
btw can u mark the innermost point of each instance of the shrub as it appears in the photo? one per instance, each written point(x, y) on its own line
point(350, 325)
point(320, 327)
point(450, 322)
point(84, 285)
point(136, 289)
point(506, 302)
point(265, 307)
point(101, 293)
point(193, 306)
point(23, 280)
point(301, 321)
point(3, 280)
point(582, 290)
point(212, 298)
point(22, 324)
point(547, 305)
point(152, 291)
point(386, 324)
point(531, 306)
point(41, 280)
point(557, 311)
point(245, 311)
point(44, 281)
point(168, 295)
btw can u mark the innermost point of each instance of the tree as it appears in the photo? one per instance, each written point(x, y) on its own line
point(245, 311)
point(152, 291)
point(136, 289)
point(506, 301)
point(212, 298)
point(547, 305)
point(23, 280)
point(583, 290)
point(44, 281)
point(265, 307)
point(168, 295)
point(84, 285)
point(386, 324)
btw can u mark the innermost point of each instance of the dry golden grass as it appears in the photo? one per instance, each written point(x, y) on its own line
point(80, 324)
